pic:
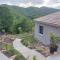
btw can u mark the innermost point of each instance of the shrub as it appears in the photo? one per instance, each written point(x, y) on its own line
point(34, 58)
point(28, 39)
point(53, 46)
point(54, 39)
point(19, 57)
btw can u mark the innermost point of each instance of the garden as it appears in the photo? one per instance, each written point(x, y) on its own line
point(29, 41)
point(6, 47)
point(32, 43)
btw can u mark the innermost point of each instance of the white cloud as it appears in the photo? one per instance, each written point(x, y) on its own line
point(25, 4)
point(45, 2)
point(8, 3)
point(48, 3)
point(54, 5)
point(35, 3)
point(29, 4)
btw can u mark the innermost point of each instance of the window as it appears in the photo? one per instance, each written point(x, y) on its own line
point(41, 29)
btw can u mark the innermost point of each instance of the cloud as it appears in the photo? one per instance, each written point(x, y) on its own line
point(35, 3)
point(22, 1)
point(53, 3)
point(57, 5)
point(28, 5)
point(25, 4)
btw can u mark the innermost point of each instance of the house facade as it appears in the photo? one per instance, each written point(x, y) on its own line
point(46, 25)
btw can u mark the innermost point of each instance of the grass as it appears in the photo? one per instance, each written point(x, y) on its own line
point(19, 57)
point(22, 35)
point(27, 39)
point(34, 58)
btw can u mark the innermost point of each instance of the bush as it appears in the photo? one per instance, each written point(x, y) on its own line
point(54, 39)
point(28, 39)
point(53, 46)
point(34, 58)
point(19, 57)
point(22, 25)
point(11, 51)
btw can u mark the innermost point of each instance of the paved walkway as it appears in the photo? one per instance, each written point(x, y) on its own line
point(53, 57)
point(3, 57)
point(26, 52)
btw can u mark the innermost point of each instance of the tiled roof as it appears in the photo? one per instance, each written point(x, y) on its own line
point(51, 19)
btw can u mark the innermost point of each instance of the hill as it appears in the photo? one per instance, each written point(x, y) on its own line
point(32, 12)
point(14, 19)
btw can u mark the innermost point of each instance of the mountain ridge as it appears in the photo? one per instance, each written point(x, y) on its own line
point(31, 12)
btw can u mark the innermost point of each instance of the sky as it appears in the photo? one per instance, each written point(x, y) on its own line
point(35, 3)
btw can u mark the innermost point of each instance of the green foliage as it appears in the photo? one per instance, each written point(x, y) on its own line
point(19, 57)
point(28, 39)
point(22, 25)
point(15, 19)
point(55, 39)
point(26, 25)
point(11, 51)
point(13, 22)
point(32, 12)
point(5, 19)
point(34, 58)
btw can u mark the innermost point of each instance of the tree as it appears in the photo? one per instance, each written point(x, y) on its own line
point(26, 25)
point(6, 19)
point(23, 24)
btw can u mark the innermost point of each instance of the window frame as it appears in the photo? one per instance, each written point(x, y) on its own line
point(41, 28)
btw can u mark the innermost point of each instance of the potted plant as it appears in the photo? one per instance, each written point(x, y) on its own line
point(53, 45)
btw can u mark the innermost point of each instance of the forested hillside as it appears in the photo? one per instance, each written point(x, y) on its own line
point(32, 12)
point(15, 19)
point(12, 22)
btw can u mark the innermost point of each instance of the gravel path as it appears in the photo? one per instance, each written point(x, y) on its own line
point(26, 52)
